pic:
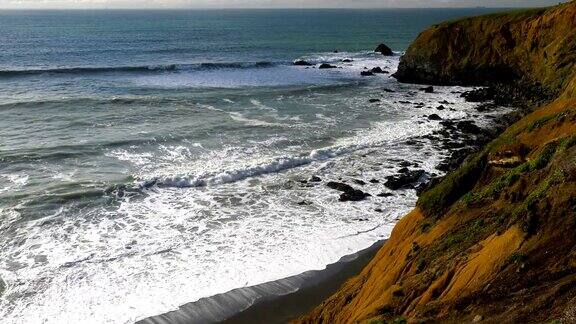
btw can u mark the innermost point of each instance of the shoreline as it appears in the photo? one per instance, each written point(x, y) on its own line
point(288, 298)
point(272, 302)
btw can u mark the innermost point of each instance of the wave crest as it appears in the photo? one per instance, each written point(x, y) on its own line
point(229, 176)
point(137, 69)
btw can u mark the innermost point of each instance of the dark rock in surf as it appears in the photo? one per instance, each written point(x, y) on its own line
point(356, 195)
point(315, 179)
point(469, 127)
point(434, 117)
point(339, 186)
point(374, 100)
point(366, 73)
point(302, 63)
point(405, 180)
point(449, 124)
point(479, 95)
point(487, 106)
point(348, 192)
point(377, 70)
point(347, 60)
point(327, 66)
point(405, 164)
point(384, 50)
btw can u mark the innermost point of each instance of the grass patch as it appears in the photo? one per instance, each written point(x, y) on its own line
point(540, 122)
point(567, 144)
point(545, 156)
point(493, 190)
point(528, 210)
point(559, 118)
point(436, 200)
point(517, 258)
point(399, 320)
point(459, 240)
point(509, 15)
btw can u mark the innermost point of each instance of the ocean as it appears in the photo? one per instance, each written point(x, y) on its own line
point(152, 158)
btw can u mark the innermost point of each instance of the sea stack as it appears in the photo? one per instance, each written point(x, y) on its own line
point(384, 50)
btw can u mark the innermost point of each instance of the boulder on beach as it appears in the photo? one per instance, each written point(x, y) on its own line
point(384, 50)
point(302, 63)
point(327, 66)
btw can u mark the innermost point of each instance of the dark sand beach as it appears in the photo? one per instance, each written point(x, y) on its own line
point(272, 302)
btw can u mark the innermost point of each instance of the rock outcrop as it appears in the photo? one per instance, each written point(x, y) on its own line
point(494, 240)
point(384, 50)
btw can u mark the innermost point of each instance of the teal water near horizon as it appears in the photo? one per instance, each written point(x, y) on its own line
point(152, 158)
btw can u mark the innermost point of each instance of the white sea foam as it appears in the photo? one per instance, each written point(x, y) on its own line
point(226, 215)
point(14, 181)
point(274, 75)
point(251, 121)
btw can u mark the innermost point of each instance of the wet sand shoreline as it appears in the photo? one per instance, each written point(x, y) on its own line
point(272, 302)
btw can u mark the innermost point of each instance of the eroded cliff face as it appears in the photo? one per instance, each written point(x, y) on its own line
point(537, 45)
point(496, 239)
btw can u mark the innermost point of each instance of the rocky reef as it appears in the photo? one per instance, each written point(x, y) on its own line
point(492, 241)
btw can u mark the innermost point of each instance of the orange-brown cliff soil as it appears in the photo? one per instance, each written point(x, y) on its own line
point(495, 240)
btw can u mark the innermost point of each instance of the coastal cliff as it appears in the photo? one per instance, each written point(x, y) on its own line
point(494, 240)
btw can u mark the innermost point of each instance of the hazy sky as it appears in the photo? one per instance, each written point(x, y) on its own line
point(19, 4)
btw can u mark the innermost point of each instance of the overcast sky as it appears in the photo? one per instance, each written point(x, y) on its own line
point(79, 4)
